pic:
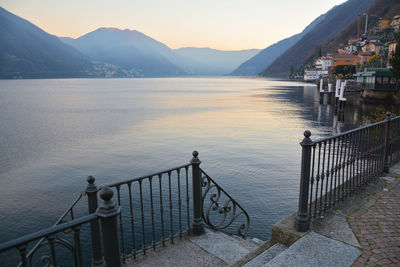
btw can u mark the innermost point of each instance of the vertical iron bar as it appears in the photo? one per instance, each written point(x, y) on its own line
point(78, 250)
point(22, 253)
point(121, 227)
point(51, 240)
point(335, 198)
point(132, 220)
point(170, 209)
point(153, 237)
point(327, 176)
point(340, 172)
point(312, 214)
point(302, 223)
point(331, 191)
point(187, 198)
point(179, 202)
point(316, 211)
point(386, 149)
point(322, 178)
point(142, 216)
point(161, 211)
point(347, 163)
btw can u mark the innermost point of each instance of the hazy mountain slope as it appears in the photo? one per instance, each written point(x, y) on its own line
point(207, 61)
point(131, 50)
point(255, 65)
point(26, 51)
point(336, 19)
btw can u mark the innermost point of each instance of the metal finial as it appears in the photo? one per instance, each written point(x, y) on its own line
point(195, 159)
point(307, 134)
point(90, 179)
point(106, 194)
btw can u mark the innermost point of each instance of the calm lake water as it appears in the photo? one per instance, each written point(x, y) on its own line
point(53, 133)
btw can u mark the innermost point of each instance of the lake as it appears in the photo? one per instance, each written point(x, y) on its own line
point(55, 132)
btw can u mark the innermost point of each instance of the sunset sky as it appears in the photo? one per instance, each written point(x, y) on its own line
point(219, 24)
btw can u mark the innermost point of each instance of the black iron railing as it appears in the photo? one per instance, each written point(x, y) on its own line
point(149, 211)
point(220, 210)
point(334, 167)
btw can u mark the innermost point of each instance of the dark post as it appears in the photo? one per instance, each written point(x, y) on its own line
point(302, 223)
point(197, 226)
point(108, 213)
point(91, 192)
point(386, 149)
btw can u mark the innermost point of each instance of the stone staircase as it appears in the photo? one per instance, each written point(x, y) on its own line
point(219, 249)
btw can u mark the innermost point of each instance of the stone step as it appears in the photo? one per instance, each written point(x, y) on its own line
point(247, 243)
point(267, 255)
point(257, 241)
point(227, 248)
point(314, 249)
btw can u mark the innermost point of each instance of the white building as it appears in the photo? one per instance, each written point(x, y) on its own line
point(313, 75)
point(350, 49)
point(323, 63)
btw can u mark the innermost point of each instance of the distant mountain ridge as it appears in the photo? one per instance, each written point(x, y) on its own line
point(147, 57)
point(26, 51)
point(208, 61)
point(335, 21)
point(258, 63)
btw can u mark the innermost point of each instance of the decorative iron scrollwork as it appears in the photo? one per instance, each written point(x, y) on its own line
point(220, 210)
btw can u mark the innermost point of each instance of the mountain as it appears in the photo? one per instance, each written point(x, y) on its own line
point(26, 51)
point(145, 56)
point(381, 9)
point(207, 61)
point(255, 65)
point(334, 21)
point(132, 50)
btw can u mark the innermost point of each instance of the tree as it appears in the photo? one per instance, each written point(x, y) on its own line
point(344, 70)
point(395, 60)
point(373, 61)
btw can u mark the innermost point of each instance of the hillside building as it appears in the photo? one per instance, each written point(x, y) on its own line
point(374, 46)
point(345, 59)
point(384, 24)
point(323, 63)
point(391, 47)
point(364, 57)
point(395, 24)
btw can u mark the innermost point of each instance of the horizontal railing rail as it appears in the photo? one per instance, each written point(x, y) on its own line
point(51, 237)
point(334, 167)
point(68, 212)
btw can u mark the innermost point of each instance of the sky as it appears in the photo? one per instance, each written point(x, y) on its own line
point(219, 24)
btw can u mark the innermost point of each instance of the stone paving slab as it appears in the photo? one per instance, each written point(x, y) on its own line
point(376, 224)
point(266, 256)
point(220, 245)
point(181, 253)
point(316, 250)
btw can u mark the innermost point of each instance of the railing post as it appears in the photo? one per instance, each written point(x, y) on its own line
point(108, 213)
point(91, 192)
point(197, 226)
point(302, 222)
point(386, 149)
